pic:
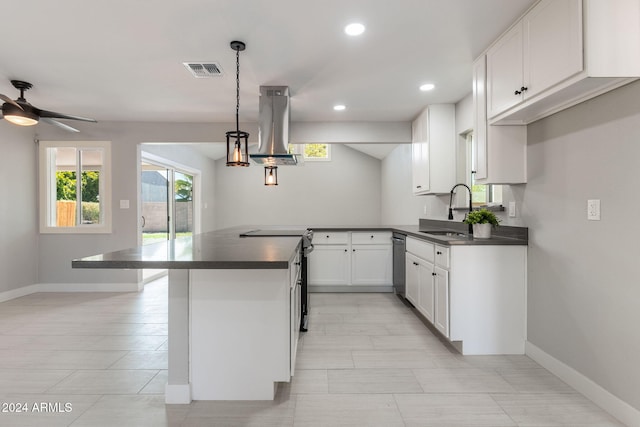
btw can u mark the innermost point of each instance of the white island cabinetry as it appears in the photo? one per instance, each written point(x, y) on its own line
point(473, 295)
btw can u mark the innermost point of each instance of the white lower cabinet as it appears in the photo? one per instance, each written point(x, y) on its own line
point(360, 259)
point(425, 295)
point(426, 277)
point(371, 264)
point(478, 302)
point(441, 300)
point(329, 265)
point(412, 278)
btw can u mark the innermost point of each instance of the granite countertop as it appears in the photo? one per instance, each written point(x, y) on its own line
point(223, 249)
point(504, 235)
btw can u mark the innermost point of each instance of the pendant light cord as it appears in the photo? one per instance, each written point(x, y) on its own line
point(237, 90)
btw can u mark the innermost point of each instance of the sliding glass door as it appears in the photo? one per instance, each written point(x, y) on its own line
point(167, 203)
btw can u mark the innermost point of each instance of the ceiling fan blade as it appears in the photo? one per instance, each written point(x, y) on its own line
point(54, 115)
point(59, 124)
point(10, 101)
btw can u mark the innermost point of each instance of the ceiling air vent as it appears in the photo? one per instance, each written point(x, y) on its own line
point(203, 70)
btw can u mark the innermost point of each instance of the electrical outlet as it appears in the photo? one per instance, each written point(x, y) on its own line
point(124, 204)
point(512, 209)
point(593, 210)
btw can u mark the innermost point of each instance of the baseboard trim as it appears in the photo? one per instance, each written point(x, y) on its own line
point(615, 406)
point(179, 394)
point(350, 288)
point(18, 292)
point(69, 287)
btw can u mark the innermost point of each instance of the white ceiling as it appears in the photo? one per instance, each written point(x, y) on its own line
point(122, 59)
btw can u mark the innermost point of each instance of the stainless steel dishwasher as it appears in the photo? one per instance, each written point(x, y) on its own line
point(399, 247)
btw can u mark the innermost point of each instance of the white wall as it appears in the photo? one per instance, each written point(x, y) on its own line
point(18, 208)
point(345, 190)
point(584, 293)
point(54, 265)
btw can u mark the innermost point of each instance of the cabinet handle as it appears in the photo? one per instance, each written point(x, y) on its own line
point(433, 274)
point(415, 263)
point(418, 186)
point(438, 253)
point(517, 92)
point(345, 250)
point(524, 89)
point(327, 236)
point(353, 250)
point(372, 237)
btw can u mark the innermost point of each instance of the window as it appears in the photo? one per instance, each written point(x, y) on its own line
point(312, 152)
point(482, 195)
point(75, 190)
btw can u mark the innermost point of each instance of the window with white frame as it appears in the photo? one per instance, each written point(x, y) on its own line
point(482, 194)
point(75, 187)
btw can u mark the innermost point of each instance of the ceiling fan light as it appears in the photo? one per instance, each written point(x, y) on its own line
point(17, 116)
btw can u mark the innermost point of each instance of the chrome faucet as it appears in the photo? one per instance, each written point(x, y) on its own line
point(451, 201)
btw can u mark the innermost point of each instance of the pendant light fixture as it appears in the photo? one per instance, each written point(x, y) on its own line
point(270, 175)
point(237, 140)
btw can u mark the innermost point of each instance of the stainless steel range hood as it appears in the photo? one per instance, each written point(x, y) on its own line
point(273, 128)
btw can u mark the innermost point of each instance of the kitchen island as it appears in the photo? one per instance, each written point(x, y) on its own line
point(233, 311)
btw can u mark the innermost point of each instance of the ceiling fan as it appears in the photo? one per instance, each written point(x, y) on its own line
point(22, 113)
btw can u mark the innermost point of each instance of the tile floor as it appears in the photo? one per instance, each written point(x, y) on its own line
point(99, 359)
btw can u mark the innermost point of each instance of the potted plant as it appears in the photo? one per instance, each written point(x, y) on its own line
point(482, 221)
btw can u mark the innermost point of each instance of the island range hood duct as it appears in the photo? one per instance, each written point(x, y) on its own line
point(273, 128)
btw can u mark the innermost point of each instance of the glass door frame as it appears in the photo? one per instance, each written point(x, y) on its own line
point(174, 167)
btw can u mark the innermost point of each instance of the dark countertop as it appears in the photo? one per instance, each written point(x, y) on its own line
point(504, 235)
point(225, 249)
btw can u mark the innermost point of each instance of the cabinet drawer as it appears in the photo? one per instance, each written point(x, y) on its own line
point(330, 238)
point(371, 238)
point(442, 256)
point(421, 249)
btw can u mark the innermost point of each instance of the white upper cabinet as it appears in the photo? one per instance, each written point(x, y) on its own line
point(500, 152)
point(560, 53)
point(433, 150)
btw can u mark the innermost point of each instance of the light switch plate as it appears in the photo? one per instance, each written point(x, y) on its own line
point(124, 204)
point(512, 209)
point(593, 210)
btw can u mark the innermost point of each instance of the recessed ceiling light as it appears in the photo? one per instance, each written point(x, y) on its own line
point(354, 29)
point(426, 87)
point(339, 107)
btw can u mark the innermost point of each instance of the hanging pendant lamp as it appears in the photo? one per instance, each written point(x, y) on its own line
point(270, 175)
point(237, 140)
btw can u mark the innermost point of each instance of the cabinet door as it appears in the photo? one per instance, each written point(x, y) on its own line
point(411, 278)
point(420, 153)
point(426, 292)
point(505, 71)
point(480, 118)
point(552, 44)
point(371, 264)
point(329, 265)
point(441, 285)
